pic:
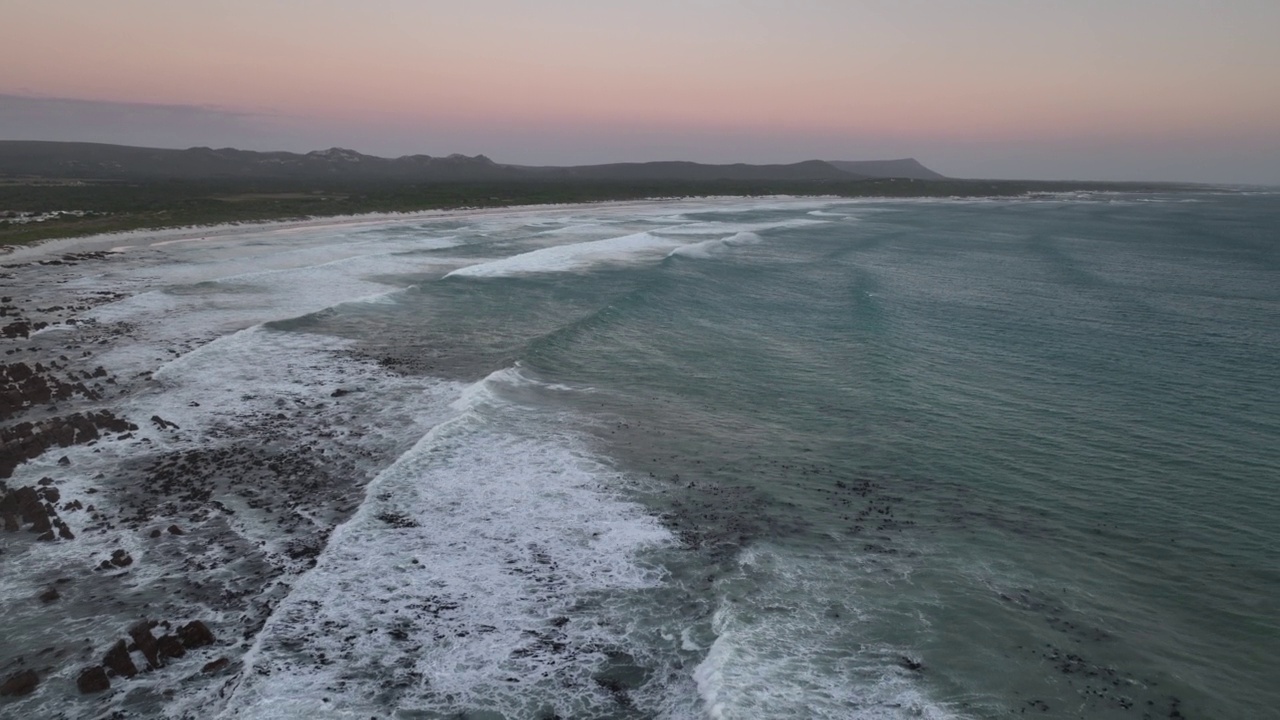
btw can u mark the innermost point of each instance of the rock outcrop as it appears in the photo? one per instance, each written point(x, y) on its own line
point(93, 679)
point(23, 683)
point(117, 660)
point(195, 634)
point(28, 440)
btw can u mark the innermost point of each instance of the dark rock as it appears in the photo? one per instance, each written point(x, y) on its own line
point(120, 558)
point(910, 663)
point(195, 634)
point(24, 683)
point(105, 565)
point(40, 524)
point(117, 660)
point(49, 595)
point(64, 532)
point(155, 533)
point(339, 393)
point(216, 666)
point(23, 501)
point(175, 530)
point(168, 646)
point(93, 679)
point(46, 536)
point(64, 461)
point(11, 523)
point(146, 642)
point(162, 424)
point(27, 440)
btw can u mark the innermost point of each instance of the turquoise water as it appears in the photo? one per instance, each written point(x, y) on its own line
point(1029, 445)
point(731, 458)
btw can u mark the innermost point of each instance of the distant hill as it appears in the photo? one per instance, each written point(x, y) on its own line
point(95, 161)
point(908, 168)
point(683, 170)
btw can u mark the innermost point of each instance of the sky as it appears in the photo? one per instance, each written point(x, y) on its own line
point(1045, 89)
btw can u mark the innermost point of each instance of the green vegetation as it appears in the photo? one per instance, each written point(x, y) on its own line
point(118, 206)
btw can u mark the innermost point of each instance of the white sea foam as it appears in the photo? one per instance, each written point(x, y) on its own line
point(709, 248)
point(442, 592)
point(214, 295)
point(791, 642)
point(720, 228)
point(575, 256)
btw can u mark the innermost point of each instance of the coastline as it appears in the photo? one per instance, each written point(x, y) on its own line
point(125, 240)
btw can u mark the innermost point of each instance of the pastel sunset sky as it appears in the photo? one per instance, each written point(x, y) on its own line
point(1083, 89)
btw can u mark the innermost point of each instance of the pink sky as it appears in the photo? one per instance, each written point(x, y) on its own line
point(1127, 88)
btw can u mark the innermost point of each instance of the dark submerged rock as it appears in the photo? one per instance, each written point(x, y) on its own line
point(146, 642)
point(117, 660)
point(195, 634)
point(168, 646)
point(910, 663)
point(216, 666)
point(23, 683)
point(93, 679)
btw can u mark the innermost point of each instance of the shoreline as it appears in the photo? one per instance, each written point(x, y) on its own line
point(186, 209)
point(190, 233)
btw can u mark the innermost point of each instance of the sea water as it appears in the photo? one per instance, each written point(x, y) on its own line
point(737, 458)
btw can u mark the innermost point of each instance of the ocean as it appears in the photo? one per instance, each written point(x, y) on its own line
point(736, 458)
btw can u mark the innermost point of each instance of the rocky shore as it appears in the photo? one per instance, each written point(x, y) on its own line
point(140, 557)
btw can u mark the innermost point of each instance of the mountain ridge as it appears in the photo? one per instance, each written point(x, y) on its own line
point(100, 161)
point(905, 168)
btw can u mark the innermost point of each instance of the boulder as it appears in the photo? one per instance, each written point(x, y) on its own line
point(23, 683)
point(168, 646)
point(910, 663)
point(195, 634)
point(49, 595)
point(146, 642)
point(120, 558)
point(93, 679)
point(215, 666)
point(117, 660)
point(40, 523)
